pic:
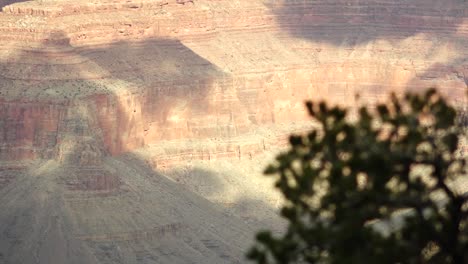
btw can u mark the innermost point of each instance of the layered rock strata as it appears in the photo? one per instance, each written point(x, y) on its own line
point(149, 71)
point(97, 97)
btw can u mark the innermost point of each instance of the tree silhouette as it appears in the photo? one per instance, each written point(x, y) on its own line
point(384, 188)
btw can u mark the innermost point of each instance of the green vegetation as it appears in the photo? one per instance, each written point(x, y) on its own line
point(380, 189)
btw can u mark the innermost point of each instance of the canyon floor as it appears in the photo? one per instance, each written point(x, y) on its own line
point(136, 131)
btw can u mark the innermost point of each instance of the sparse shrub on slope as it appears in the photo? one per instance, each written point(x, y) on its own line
point(385, 188)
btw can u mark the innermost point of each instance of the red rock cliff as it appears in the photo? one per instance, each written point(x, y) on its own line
point(126, 74)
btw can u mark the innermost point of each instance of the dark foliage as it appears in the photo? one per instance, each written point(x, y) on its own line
point(380, 189)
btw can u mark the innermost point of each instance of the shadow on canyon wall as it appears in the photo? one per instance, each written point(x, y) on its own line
point(128, 83)
point(199, 180)
point(350, 23)
point(4, 3)
point(455, 71)
point(134, 90)
point(146, 72)
point(167, 82)
point(145, 216)
point(223, 187)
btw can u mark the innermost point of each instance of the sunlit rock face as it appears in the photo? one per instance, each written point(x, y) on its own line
point(99, 97)
point(148, 71)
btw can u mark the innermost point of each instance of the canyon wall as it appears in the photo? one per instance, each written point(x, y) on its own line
point(136, 131)
point(123, 75)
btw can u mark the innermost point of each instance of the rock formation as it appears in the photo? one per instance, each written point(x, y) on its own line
point(87, 88)
point(151, 71)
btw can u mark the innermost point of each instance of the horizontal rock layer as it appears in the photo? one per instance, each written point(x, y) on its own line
point(204, 91)
point(126, 74)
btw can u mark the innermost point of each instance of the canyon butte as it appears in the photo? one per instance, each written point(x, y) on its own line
point(137, 131)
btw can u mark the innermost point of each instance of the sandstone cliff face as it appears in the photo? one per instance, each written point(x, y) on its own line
point(149, 71)
point(97, 98)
